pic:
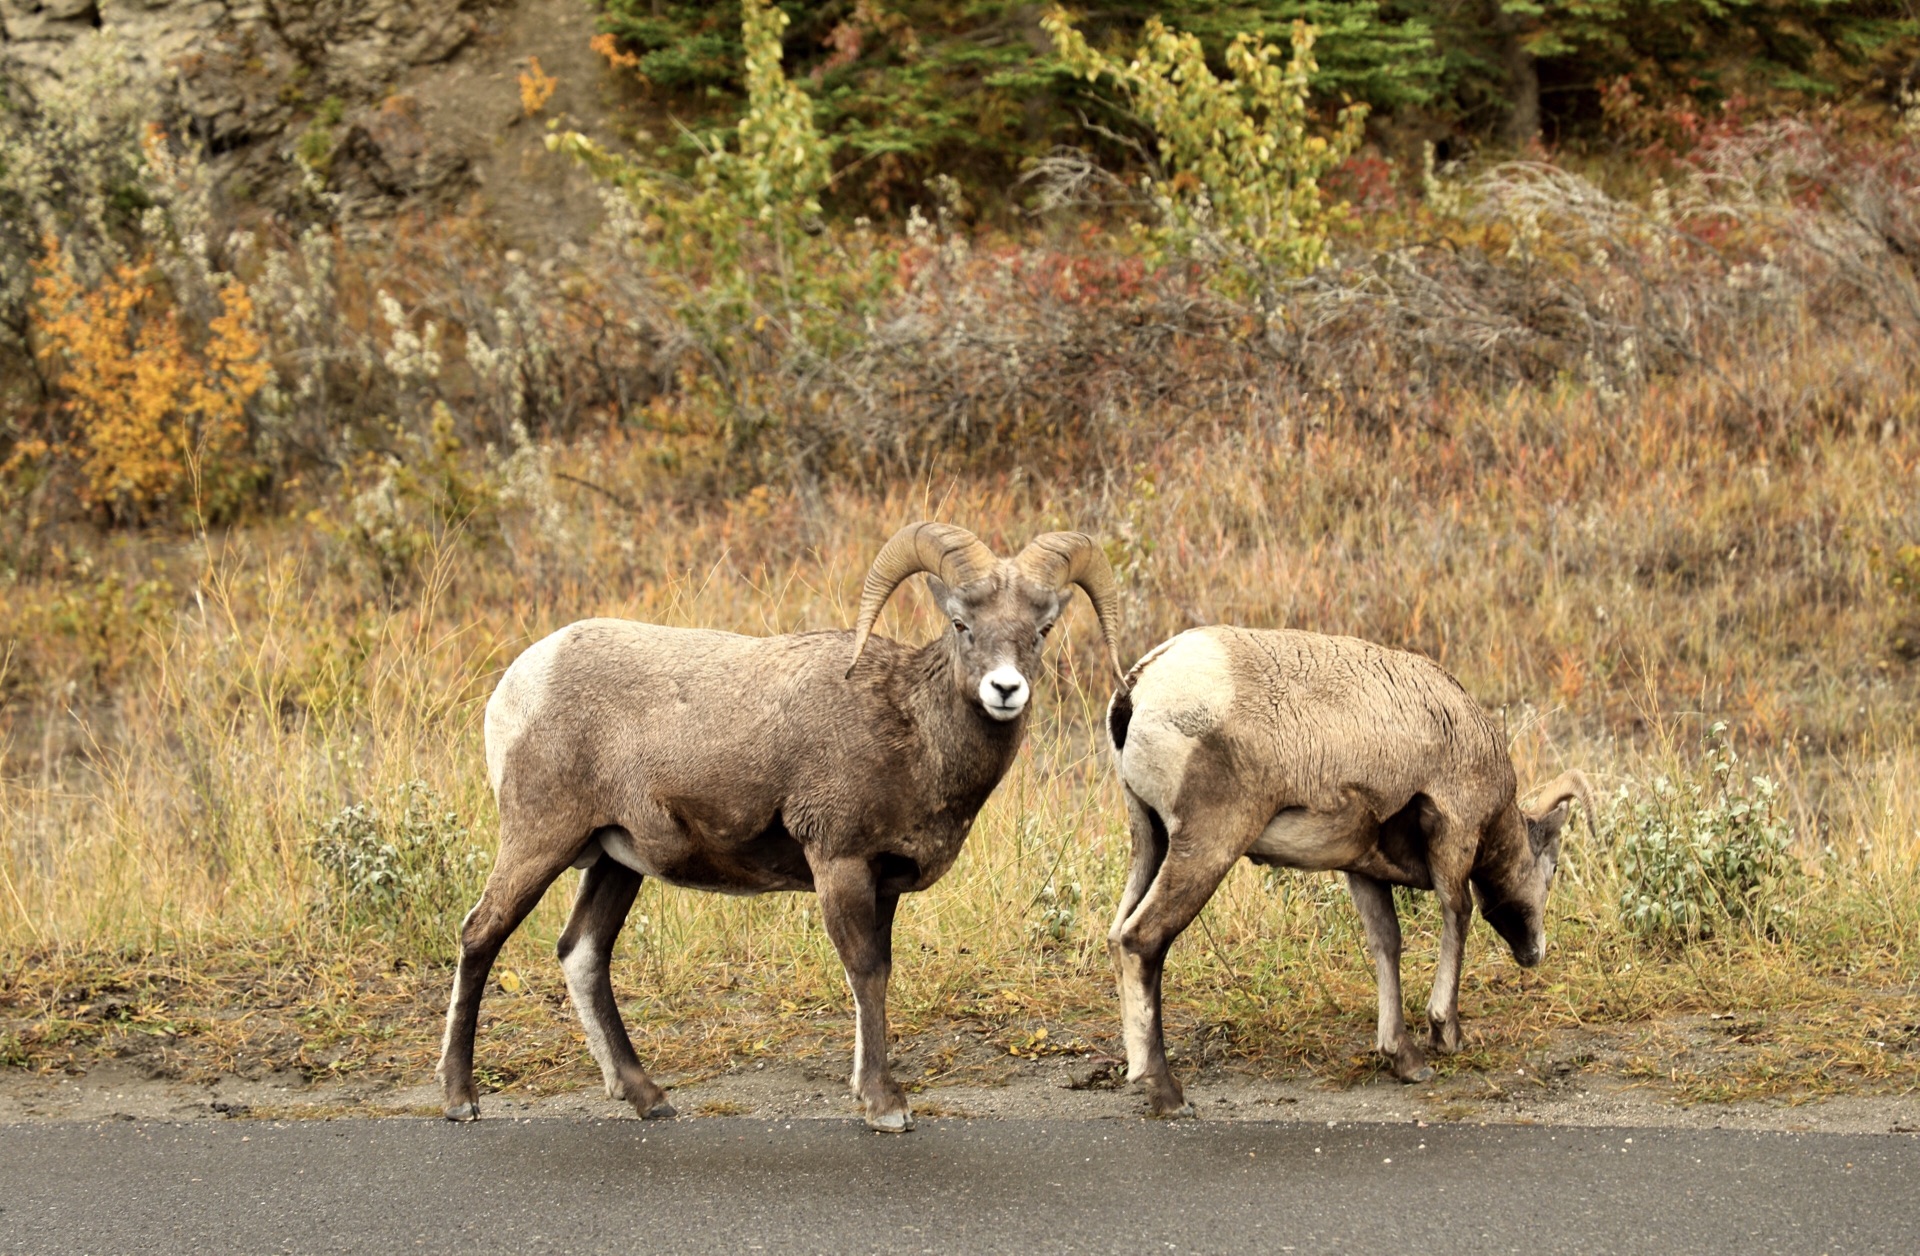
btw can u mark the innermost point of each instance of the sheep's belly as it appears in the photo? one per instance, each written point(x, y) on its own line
point(755, 869)
point(1314, 841)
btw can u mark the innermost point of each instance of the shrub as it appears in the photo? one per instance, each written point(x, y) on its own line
point(115, 282)
point(150, 420)
point(764, 190)
point(1705, 853)
point(71, 166)
point(536, 87)
point(408, 503)
point(404, 869)
point(1240, 179)
point(749, 267)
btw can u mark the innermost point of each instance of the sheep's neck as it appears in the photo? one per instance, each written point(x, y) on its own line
point(966, 752)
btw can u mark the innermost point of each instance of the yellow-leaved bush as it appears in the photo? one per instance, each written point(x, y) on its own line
point(1243, 167)
point(150, 421)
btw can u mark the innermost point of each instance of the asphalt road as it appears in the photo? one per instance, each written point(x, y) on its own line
point(741, 1185)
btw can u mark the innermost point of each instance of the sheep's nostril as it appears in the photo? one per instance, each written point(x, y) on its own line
point(1004, 691)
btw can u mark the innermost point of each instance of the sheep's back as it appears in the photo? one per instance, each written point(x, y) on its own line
point(1303, 720)
point(683, 707)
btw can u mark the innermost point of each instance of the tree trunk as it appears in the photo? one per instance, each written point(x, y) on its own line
point(1523, 76)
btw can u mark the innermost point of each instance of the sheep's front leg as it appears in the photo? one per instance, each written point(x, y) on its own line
point(1443, 1004)
point(1450, 850)
point(1375, 901)
point(859, 920)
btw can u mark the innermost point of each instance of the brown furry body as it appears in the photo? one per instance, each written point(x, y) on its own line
point(1322, 753)
point(836, 762)
point(738, 795)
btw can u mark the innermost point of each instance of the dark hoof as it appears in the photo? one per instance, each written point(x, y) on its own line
point(891, 1123)
point(659, 1111)
point(463, 1112)
point(1165, 1098)
point(1408, 1064)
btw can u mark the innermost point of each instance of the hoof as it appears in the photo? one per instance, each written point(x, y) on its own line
point(659, 1110)
point(1409, 1064)
point(463, 1112)
point(891, 1122)
point(1166, 1100)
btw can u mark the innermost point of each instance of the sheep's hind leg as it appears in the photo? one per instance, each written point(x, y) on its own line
point(1375, 902)
point(1199, 853)
point(513, 887)
point(1149, 850)
point(859, 920)
point(600, 909)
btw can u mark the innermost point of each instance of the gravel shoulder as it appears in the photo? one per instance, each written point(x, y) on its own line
point(1074, 1088)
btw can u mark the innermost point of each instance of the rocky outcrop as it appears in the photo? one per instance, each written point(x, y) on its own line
point(247, 78)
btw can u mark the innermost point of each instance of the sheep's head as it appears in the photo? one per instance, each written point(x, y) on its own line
point(1516, 906)
point(999, 611)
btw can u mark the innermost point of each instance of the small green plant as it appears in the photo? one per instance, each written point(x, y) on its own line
point(1056, 910)
point(1241, 167)
point(1705, 853)
point(404, 868)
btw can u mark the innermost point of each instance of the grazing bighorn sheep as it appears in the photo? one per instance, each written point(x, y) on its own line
point(842, 763)
point(1320, 753)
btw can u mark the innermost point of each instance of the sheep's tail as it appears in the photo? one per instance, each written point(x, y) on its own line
point(1120, 707)
point(1120, 714)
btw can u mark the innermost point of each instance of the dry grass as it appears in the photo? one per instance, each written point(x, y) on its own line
point(1627, 473)
point(180, 717)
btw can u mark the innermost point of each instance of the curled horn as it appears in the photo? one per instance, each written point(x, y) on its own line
point(1059, 559)
point(951, 553)
point(1570, 784)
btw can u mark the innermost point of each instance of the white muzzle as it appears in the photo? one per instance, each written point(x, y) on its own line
point(1004, 692)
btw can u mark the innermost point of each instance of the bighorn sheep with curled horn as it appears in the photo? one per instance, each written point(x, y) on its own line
point(846, 764)
point(1320, 753)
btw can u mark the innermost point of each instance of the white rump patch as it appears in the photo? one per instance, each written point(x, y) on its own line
point(1185, 691)
point(517, 699)
point(1004, 692)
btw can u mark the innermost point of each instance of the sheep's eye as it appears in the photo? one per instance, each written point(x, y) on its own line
point(1045, 629)
point(961, 625)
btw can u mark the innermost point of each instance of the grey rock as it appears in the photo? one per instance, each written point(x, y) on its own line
point(241, 74)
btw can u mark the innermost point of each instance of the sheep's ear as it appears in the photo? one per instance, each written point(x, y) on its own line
point(1544, 831)
point(942, 595)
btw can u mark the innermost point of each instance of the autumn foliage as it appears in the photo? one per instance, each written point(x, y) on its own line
point(149, 419)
